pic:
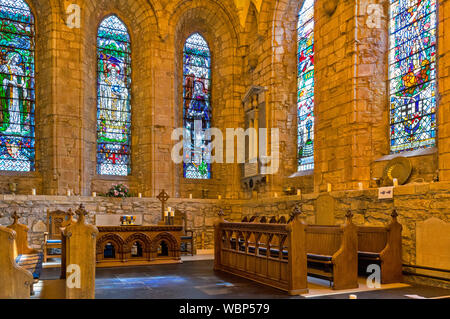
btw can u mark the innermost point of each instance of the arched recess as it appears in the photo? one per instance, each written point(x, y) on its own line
point(172, 243)
point(284, 45)
point(116, 241)
point(42, 14)
point(218, 28)
point(143, 239)
point(144, 34)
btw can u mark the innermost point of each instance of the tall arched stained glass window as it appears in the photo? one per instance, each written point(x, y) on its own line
point(196, 107)
point(412, 73)
point(113, 99)
point(17, 94)
point(305, 86)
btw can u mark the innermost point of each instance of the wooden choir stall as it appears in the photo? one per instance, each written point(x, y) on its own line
point(282, 255)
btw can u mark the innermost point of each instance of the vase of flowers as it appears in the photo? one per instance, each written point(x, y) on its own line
point(118, 190)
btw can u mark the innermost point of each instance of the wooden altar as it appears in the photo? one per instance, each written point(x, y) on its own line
point(119, 246)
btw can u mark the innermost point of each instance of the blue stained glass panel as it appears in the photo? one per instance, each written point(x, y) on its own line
point(17, 87)
point(113, 99)
point(196, 107)
point(412, 74)
point(305, 86)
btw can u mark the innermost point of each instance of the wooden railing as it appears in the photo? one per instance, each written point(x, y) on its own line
point(272, 254)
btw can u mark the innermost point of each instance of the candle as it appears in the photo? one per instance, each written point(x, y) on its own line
point(68, 192)
point(172, 213)
point(360, 186)
point(94, 194)
point(190, 196)
point(353, 297)
point(395, 181)
point(299, 192)
point(276, 195)
point(166, 213)
point(220, 197)
point(140, 195)
point(170, 209)
point(33, 192)
point(329, 187)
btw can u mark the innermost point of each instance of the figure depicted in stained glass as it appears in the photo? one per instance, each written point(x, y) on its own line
point(305, 86)
point(113, 107)
point(412, 70)
point(14, 93)
point(197, 109)
point(16, 87)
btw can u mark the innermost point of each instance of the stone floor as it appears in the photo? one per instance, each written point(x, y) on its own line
point(197, 280)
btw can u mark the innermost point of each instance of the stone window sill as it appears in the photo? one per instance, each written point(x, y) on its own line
point(415, 153)
point(302, 173)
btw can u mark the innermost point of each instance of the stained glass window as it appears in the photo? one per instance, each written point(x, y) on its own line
point(196, 107)
point(113, 99)
point(412, 74)
point(305, 86)
point(17, 94)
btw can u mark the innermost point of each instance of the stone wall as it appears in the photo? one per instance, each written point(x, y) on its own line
point(414, 203)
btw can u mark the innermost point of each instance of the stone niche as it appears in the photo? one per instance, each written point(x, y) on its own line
point(254, 104)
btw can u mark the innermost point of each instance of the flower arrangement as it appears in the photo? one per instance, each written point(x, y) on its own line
point(119, 190)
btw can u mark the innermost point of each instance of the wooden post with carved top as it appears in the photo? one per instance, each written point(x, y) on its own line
point(80, 257)
point(297, 264)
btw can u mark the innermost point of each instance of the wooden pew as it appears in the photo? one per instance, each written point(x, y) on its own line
point(382, 246)
point(26, 257)
point(332, 253)
point(15, 281)
point(271, 254)
point(78, 262)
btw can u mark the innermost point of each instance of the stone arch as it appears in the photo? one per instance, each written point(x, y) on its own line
point(43, 20)
point(213, 20)
point(142, 24)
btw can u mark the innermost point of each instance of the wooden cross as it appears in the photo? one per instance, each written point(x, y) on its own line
point(163, 198)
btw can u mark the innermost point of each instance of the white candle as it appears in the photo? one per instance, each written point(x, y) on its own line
point(353, 297)
point(170, 209)
point(299, 192)
point(140, 195)
point(68, 192)
point(172, 214)
point(360, 186)
point(329, 187)
point(33, 192)
point(190, 196)
point(94, 194)
point(166, 213)
point(276, 195)
point(395, 181)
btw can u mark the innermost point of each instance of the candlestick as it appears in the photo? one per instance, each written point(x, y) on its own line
point(395, 181)
point(33, 192)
